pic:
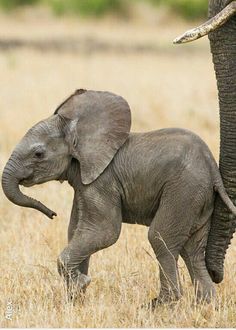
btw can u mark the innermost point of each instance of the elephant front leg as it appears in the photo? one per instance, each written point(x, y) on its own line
point(74, 258)
point(96, 230)
point(74, 217)
point(76, 278)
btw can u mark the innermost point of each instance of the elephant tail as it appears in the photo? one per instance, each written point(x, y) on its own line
point(219, 187)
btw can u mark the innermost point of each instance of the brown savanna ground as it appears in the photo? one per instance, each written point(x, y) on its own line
point(166, 86)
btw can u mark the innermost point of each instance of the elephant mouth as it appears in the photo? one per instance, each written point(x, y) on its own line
point(27, 182)
point(31, 181)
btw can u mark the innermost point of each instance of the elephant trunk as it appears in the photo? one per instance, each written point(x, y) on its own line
point(10, 185)
point(223, 48)
point(222, 34)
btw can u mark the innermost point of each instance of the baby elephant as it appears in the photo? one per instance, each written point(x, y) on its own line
point(165, 179)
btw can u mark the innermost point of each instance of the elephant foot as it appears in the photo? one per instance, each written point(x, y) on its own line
point(76, 282)
point(205, 298)
point(76, 288)
point(160, 301)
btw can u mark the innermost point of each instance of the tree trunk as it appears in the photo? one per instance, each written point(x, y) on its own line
point(223, 48)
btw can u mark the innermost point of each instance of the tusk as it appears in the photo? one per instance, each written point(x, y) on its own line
point(209, 26)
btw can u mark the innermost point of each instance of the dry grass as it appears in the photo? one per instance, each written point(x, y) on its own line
point(173, 87)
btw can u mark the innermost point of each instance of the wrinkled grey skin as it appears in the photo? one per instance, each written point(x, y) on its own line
point(223, 48)
point(164, 179)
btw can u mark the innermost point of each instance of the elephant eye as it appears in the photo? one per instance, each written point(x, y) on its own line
point(39, 154)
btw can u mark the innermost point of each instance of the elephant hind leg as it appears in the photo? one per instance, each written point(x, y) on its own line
point(168, 233)
point(193, 254)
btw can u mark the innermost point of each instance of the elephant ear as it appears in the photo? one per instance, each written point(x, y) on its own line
point(99, 126)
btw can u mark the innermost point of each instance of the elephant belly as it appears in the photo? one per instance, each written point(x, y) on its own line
point(141, 206)
point(134, 220)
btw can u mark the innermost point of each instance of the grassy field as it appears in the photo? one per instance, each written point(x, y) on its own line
point(166, 86)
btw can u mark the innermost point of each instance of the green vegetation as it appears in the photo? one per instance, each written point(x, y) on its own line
point(86, 7)
point(186, 8)
point(12, 4)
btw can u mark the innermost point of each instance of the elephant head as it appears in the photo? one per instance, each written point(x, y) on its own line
point(222, 34)
point(89, 126)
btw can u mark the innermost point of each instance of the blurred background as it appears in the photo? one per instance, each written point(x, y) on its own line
point(99, 8)
point(50, 48)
